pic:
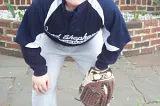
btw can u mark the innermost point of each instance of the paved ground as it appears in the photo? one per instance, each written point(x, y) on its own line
point(137, 80)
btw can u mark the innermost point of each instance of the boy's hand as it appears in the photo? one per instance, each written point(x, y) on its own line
point(40, 83)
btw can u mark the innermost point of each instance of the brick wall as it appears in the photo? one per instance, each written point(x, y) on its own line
point(17, 4)
point(7, 34)
point(131, 5)
point(124, 5)
point(145, 38)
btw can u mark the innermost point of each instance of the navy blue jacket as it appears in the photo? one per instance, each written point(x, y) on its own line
point(63, 27)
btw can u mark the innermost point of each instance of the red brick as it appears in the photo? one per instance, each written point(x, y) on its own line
point(128, 2)
point(141, 7)
point(22, 1)
point(11, 1)
point(144, 2)
point(5, 23)
point(141, 44)
point(128, 7)
point(10, 45)
point(22, 7)
point(158, 47)
point(129, 46)
point(148, 23)
point(16, 24)
point(139, 2)
point(2, 44)
point(1, 2)
point(134, 24)
point(3, 8)
point(1, 31)
point(142, 31)
point(149, 2)
point(123, 1)
point(157, 8)
point(5, 51)
point(149, 36)
point(158, 35)
point(5, 38)
point(155, 29)
point(117, 2)
point(13, 32)
point(154, 42)
point(133, 1)
point(136, 38)
point(150, 9)
point(17, 2)
point(28, 1)
point(6, 0)
point(154, 4)
point(131, 33)
point(147, 50)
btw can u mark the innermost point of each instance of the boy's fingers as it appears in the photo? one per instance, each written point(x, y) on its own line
point(47, 84)
point(35, 87)
point(44, 87)
point(40, 89)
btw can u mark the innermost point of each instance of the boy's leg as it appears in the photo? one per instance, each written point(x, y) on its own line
point(87, 57)
point(54, 61)
point(87, 54)
point(54, 64)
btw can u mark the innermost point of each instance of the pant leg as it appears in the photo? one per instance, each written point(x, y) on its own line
point(54, 60)
point(49, 99)
point(86, 55)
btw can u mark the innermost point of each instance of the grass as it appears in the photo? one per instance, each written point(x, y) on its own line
point(139, 103)
point(158, 100)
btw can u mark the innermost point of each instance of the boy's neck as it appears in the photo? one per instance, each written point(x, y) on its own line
point(72, 4)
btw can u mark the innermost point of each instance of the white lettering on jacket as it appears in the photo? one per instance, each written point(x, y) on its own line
point(71, 39)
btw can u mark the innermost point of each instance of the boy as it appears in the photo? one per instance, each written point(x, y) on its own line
point(92, 32)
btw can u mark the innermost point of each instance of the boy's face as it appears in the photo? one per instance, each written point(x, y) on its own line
point(75, 2)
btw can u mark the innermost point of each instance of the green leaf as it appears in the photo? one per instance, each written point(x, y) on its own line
point(20, 15)
point(10, 8)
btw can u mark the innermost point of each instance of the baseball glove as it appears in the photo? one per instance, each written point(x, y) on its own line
point(97, 87)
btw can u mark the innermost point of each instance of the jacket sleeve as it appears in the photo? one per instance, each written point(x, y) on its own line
point(28, 31)
point(33, 58)
point(115, 34)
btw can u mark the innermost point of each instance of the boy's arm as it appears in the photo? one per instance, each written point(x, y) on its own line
point(30, 27)
point(106, 58)
point(33, 58)
point(119, 35)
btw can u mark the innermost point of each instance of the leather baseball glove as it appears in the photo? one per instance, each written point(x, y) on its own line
point(97, 87)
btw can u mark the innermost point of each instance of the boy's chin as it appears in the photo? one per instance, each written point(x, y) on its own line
point(75, 2)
